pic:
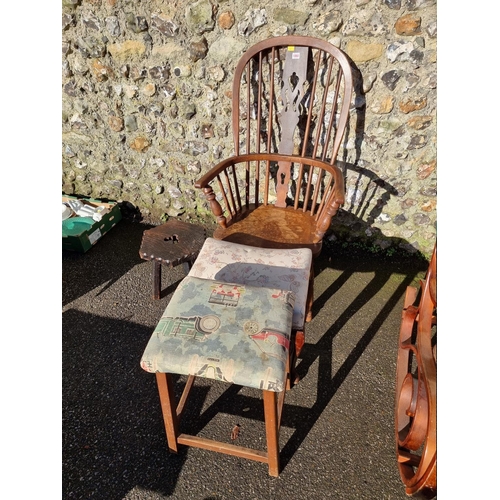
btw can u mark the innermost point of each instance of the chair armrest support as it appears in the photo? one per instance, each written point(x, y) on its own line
point(325, 211)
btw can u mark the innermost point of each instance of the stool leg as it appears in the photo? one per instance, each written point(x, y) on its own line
point(156, 279)
point(272, 432)
point(168, 408)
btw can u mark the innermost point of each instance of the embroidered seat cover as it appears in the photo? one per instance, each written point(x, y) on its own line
point(224, 331)
point(285, 269)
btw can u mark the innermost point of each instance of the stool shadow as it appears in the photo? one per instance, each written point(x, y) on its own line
point(113, 437)
point(169, 289)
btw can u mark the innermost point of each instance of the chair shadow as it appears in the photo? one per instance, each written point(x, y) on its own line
point(329, 382)
point(367, 194)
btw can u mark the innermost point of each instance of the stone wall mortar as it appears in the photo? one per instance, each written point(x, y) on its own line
point(146, 106)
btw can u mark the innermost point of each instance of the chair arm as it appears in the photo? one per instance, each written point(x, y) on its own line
point(204, 181)
point(329, 206)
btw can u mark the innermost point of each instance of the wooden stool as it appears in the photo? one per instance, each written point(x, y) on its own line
point(233, 333)
point(173, 243)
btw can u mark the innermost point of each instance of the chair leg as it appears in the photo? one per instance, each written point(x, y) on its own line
point(272, 431)
point(290, 365)
point(156, 279)
point(168, 408)
point(310, 296)
point(298, 341)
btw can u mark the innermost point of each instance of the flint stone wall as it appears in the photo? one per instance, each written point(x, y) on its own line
point(146, 104)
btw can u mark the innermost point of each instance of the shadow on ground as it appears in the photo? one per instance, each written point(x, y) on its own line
point(114, 445)
point(82, 272)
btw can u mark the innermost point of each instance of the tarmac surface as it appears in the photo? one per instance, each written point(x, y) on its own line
point(337, 435)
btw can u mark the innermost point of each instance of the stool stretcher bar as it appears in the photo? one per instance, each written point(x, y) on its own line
point(273, 404)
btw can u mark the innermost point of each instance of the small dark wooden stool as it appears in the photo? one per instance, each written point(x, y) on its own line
point(173, 243)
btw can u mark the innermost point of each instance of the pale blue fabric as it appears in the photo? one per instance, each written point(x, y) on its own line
point(235, 333)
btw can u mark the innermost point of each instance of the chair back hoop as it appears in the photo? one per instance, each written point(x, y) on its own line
point(291, 96)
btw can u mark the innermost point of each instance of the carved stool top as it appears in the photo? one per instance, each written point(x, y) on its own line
point(172, 243)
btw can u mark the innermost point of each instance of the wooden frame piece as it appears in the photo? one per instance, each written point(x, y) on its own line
point(173, 243)
point(416, 388)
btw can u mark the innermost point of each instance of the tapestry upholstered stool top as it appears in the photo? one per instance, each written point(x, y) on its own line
point(286, 269)
point(234, 333)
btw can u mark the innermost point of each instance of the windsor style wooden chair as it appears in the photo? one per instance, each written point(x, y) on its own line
point(291, 97)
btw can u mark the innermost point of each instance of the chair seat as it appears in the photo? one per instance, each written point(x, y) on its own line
point(283, 269)
point(223, 331)
point(269, 226)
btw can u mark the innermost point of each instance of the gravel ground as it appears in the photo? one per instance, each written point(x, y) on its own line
point(337, 435)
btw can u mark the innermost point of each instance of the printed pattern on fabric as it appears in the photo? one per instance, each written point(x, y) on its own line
point(224, 331)
point(262, 267)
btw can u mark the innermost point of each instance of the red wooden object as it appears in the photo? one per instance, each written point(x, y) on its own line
point(416, 395)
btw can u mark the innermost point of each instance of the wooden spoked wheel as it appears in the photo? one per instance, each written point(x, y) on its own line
point(416, 396)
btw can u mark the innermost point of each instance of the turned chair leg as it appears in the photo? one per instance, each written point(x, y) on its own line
point(310, 297)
